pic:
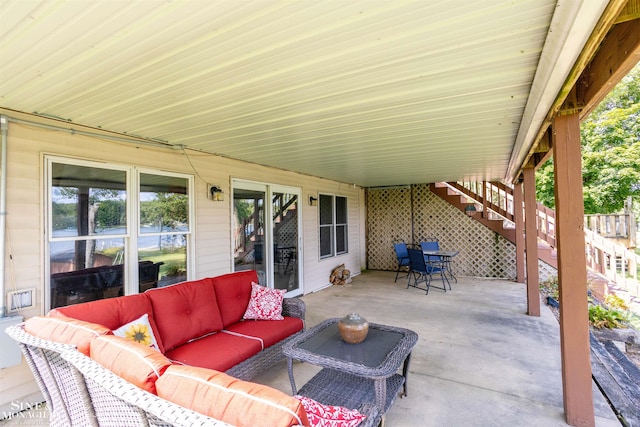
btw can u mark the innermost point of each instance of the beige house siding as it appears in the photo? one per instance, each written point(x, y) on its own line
point(25, 228)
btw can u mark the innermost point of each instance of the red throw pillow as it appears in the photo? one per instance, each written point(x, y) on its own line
point(320, 415)
point(265, 303)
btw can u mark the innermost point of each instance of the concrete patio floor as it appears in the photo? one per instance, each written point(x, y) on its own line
point(479, 361)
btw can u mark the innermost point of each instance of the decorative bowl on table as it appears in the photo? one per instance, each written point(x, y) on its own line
point(353, 328)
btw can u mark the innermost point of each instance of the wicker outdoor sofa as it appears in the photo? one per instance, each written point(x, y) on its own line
point(89, 377)
point(201, 322)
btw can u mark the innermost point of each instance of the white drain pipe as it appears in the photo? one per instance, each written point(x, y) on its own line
point(4, 127)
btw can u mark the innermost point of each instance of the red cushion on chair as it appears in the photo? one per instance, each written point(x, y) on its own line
point(111, 312)
point(219, 351)
point(186, 311)
point(269, 331)
point(232, 292)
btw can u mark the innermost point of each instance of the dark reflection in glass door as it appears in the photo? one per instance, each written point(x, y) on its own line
point(285, 212)
point(248, 228)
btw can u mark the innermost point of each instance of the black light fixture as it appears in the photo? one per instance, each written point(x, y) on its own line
point(215, 193)
point(313, 201)
point(470, 210)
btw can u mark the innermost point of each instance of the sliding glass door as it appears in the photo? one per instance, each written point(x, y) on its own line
point(266, 233)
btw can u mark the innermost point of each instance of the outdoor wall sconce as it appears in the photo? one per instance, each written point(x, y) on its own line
point(215, 193)
point(313, 201)
point(470, 210)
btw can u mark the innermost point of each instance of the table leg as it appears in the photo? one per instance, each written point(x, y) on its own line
point(294, 390)
point(381, 393)
point(405, 373)
point(448, 268)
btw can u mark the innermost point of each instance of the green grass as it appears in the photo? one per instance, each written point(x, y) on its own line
point(172, 260)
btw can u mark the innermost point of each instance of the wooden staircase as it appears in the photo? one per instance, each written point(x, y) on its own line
point(491, 204)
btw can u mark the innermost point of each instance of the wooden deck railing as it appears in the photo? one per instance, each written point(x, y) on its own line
point(616, 262)
point(604, 254)
point(618, 226)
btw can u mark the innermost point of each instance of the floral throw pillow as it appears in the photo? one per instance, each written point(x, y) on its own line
point(320, 415)
point(265, 303)
point(138, 330)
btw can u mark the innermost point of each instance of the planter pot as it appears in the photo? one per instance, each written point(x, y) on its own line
point(553, 302)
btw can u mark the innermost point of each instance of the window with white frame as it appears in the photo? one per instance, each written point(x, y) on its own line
point(333, 225)
point(114, 230)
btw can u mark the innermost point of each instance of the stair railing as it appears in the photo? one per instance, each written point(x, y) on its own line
point(546, 224)
point(613, 260)
point(495, 197)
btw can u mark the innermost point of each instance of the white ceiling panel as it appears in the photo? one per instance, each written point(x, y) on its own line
point(365, 92)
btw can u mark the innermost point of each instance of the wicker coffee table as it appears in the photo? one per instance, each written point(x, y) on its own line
point(353, 374)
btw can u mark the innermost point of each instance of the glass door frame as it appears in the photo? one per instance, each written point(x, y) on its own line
point(269, 190)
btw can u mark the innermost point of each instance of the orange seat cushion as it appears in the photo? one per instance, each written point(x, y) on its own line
point(66, 330)
point(221, 396)
point(139, 364)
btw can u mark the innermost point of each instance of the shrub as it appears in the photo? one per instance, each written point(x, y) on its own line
point(615, 302)
point(601, 317)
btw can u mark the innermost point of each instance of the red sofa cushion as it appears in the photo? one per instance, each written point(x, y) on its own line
point(269, 331)
point(112, 312)
point(186, 311)
point(233, 291)
point(240, 403)
point(219, 351)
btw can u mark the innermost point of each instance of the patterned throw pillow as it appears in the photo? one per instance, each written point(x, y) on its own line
point(138, 330)
point(320, 415)
point(265, 303)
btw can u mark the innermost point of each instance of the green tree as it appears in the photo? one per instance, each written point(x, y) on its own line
point(167, 210)
point(610, 152)
point(110, 213)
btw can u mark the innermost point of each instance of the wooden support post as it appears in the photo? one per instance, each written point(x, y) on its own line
point(572, 272)
point(531, 242)
point(518, 214)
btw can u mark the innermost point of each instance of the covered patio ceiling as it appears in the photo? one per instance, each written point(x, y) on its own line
point(372, 93)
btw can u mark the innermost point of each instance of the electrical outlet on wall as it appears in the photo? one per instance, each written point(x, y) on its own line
point(23, 298)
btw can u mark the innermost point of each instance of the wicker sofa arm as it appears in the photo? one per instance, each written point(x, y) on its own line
point(118, 402)
point(294, 307)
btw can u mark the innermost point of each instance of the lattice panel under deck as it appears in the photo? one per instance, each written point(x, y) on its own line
point(388, 222)
point(483, 253)
point(546, 272)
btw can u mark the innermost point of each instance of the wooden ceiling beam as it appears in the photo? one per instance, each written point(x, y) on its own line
point(630, 12)
point(618, 54)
